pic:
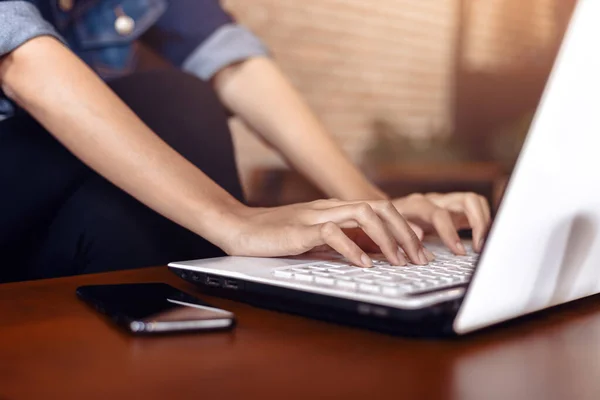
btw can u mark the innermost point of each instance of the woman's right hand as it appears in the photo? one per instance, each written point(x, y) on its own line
point(299, 228)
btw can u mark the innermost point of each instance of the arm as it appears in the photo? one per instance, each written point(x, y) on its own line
point(286, 122)
point(64, 95)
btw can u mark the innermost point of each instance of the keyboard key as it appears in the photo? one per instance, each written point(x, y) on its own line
point(334, 271)
point(324, 281)
point(364, 280)
point(461, 273)
point(390, 291)
point(407, 277)
point(439, 274)
point(452, 266)
point(364, 276)
point(345, 270)
point(334, 264)
point(349, 270)
point(303, 277)
point(301, 270)
point(418, 285)
point(452, 269)
point(283, 273)
point(387, 269)
point(320, 273)
point(428, 276)
point(363, 287)
point(405, 274)
point(383, 283)
point(372, 271)
point(347, 284)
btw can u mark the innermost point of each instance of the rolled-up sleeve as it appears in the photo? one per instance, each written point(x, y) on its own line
point(20, 21)
point(229, 44)
point(201, 38)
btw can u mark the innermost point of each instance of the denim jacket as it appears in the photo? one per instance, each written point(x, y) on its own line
point(196, 35)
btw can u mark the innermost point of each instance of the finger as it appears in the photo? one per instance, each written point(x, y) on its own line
point(488, 220)
point(362, 214)
point(476, 217)
point(332, 235)
point(373, 225)
point(446, 230)
point(421, 235)
point(324, 204)
point(403, 233)
point(486, 210)
point(417, 230)
point(429, 254)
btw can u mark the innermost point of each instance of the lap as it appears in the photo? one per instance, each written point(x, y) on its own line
point(101, 228)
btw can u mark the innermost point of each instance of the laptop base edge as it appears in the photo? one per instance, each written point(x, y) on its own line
point(431, 322)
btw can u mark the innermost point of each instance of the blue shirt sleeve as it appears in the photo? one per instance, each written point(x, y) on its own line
point(200, 37)
point(20, 21)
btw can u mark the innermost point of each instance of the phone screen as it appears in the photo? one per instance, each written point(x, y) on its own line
point(154, 307)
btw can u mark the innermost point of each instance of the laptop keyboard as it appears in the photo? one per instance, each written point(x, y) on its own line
point(447, 270)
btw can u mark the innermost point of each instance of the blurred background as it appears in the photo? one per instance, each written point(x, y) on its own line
point(424, 95)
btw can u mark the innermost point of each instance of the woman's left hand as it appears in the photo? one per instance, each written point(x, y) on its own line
point(445, 214)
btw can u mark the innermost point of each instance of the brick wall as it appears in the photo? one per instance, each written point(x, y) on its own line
point(358, 62)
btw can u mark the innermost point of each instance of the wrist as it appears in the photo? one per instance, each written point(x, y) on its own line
point(233, 223)
point(218, 222)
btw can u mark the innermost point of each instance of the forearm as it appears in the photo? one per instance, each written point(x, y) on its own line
point(257, 92)
point(65, 96)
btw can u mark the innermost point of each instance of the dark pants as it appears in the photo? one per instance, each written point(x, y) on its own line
point(58, 217)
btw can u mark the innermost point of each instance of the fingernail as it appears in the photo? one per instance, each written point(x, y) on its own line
point(429, 254)
point(481, 243)
point(401, 258)
point(366, 261)
point(423, 257)
point(461, 247)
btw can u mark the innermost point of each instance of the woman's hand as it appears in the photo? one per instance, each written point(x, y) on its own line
point(342, 225)
point(446, 214)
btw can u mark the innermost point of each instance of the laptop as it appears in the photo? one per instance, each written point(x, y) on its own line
point(543, 248)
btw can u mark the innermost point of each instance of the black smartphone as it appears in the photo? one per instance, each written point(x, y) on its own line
point(151, 308)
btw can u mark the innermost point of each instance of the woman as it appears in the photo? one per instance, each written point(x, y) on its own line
point(71, 147)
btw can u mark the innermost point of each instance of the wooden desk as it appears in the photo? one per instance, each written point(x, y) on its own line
point(53, 346)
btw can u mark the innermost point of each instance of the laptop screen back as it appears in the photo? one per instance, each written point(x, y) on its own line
point(544, 247)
